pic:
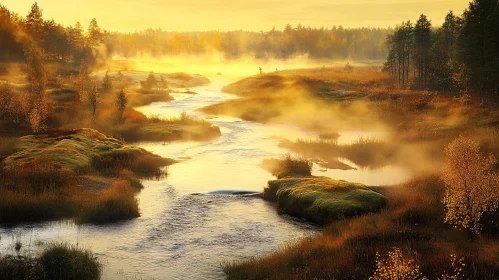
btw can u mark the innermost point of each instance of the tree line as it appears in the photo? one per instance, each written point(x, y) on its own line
point(75, 43)
point(56, 42)
point(461, 55)
point(320, 43)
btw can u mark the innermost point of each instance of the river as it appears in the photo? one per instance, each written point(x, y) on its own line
point(185, 236)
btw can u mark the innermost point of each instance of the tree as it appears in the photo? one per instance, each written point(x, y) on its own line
point(163, 84)
point(400, 53)
point(150, 82)
point(93, 95)
point(107, 84)
point(94, 33)
point(478, 43)
point(422, 46)
point(443, 66)
point(121, 103)
point(34, 23)
point(36, 70)
point(471, 185)
point(122, 83)
point(82, 80)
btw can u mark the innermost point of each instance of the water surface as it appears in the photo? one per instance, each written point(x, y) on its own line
point(184, 236)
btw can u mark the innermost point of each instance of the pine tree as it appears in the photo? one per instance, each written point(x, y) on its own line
point(422, 46)
point(94, 33)
point(34, 23)
point(121, 103)
point(478, 42)
point(107, 84)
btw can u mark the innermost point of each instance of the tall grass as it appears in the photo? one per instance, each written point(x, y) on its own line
point(287, 166)
point(114, 204)
point(365, 151)
point(57, 262)
point(63, 261)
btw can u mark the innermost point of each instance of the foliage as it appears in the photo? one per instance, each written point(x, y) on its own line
point(107, 84)
point(472, 186)
point(396, 266)
point(150, 82)
point(462, 52)
point(121, 102)
point(93, 96)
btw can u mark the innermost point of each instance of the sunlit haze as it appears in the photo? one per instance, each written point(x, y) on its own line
point(200, 15)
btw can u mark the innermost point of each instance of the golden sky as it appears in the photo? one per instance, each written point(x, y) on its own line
point(196, 15)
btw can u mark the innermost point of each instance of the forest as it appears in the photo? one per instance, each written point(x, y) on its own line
point(462, 55)
point(77, 42)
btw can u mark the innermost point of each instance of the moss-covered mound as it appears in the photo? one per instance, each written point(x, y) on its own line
point(322, 199)
point(80, 150)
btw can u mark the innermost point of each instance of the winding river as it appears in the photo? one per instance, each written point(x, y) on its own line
point(185, 236)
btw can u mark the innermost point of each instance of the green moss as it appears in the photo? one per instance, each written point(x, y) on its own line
point(321, 199)
point(81, 151)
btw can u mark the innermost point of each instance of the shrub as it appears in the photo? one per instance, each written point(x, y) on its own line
point(65, 262)
point(396, 266)
point(471, 184)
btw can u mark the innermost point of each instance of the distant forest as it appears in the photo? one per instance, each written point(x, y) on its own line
point(461, 55)
point(60, 42)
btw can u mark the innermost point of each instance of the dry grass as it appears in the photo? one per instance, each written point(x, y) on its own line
point(113, 204)
point(367, 152)
point(288, 166)
point(413, 220)
point(57, 262)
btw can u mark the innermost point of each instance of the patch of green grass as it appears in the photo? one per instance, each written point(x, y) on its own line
point(321, 199)
point(85, 150)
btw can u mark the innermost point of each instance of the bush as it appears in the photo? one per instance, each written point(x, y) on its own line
point(65, 262)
